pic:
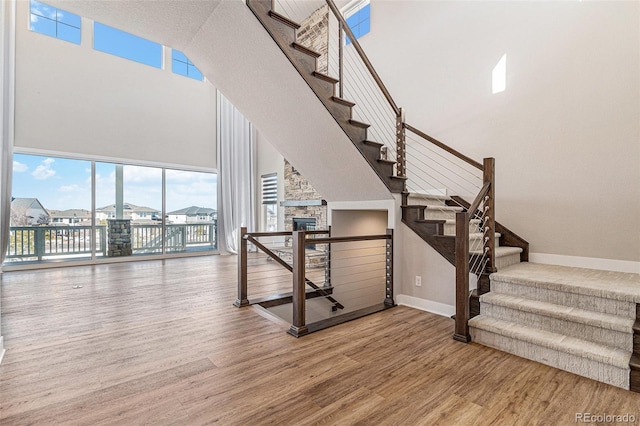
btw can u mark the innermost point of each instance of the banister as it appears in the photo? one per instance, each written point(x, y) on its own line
point(363, 56)
point(478, 200)
point(445, 147)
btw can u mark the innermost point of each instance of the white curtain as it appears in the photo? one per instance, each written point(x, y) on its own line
point(236, 175)
point(7, 69)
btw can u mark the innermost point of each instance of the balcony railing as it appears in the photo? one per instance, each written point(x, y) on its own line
point(41, 243)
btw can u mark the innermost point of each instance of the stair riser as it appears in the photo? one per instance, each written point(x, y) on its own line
point(450, 228)
point(594, 334)
point(575, 364)
point(580, 301)
point(504, 261)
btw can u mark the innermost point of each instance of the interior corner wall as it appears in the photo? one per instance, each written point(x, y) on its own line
point(74, 99)
point(565, 133)
point(269, 160)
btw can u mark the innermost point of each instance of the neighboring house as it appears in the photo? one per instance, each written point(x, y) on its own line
point(28, 212)
point(71, 217)
point(192, 214)
point(130, 211)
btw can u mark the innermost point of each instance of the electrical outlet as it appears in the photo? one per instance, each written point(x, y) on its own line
point(418, 281)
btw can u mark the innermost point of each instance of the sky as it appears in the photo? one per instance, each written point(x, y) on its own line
point(61, 184)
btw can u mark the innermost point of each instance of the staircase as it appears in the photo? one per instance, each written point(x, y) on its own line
point(564, 317)
point(578, 320)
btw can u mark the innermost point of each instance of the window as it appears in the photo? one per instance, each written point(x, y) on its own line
point(358, 17)
point(180, 64)
point(53, 22)
point(270, 202)
point(120, 43)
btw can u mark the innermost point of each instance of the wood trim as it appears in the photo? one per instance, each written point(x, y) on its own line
point(278, 17)
point(489, 179)
point(444, 146)
point(634, 362)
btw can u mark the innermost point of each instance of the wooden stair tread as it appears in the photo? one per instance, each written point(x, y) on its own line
point(343, 101)
point(399, 177)
point(636, 326)
point(436, 221)
point(372, 143)
point(284, 19)
point(325, 77)
point(305, 49)
point(381, 160)
point(359, 124)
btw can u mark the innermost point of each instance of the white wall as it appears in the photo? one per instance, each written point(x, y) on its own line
point(73, 99)
point(565, 133)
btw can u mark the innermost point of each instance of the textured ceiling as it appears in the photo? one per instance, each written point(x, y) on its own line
point(234, 51)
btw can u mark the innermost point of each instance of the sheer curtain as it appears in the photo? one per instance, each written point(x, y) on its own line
point(236, 175)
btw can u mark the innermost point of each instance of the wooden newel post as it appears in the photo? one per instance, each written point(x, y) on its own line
point(462, 277)
point(242, 270)
point(489, 228)
point(401, 148)
point(299, 327)
point(388, 300)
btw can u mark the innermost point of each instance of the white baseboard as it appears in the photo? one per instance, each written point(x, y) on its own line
point(426, 305)
point(586, 262)
point(1, 348)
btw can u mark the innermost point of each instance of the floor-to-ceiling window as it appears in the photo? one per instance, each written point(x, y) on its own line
point(69, 209)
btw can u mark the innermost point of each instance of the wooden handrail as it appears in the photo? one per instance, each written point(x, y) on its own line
point(363, 56)
point(445, 147)
point(284, 233)
point(476, 203)
point(345, 239)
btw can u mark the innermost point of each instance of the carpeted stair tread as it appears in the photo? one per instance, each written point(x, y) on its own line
point(561, 343)
point(566, 313)
point(590, 282)
point(502, 251)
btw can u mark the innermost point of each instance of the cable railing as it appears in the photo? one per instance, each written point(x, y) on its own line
point(45, 243)
point(316, 281)
point(437, 176)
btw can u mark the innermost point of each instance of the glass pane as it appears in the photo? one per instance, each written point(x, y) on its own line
point(135, 227)
point(51, 210)
point(364, 27)
point(42, 9)
point(43, 25)
point(68, 18)
point(192, 211)
point(177, 55)
point(195, 73)
point(120, 43)
point(179, 67)
point(67, 33)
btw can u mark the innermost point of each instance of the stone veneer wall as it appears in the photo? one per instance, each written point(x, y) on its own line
point(314, 34)
point(297, 188)
point(119, 237)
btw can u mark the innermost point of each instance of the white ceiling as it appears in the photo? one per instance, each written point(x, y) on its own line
point(228, 44)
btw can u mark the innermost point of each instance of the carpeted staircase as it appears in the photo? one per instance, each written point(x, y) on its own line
point(578, 320)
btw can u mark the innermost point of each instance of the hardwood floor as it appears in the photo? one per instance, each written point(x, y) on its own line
point(159, 342)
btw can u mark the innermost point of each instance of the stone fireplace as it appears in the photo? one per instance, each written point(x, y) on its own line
point(303, 205)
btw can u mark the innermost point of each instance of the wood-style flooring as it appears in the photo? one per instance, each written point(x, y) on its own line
point(159, 342)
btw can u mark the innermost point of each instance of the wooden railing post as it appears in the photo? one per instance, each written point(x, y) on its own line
point(242, 270)
point(489, 176)
point(299, 327)
point(462, 277)
point(388, 300)
point(401, 151)
point(39, 242)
